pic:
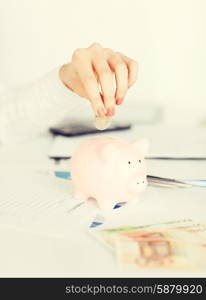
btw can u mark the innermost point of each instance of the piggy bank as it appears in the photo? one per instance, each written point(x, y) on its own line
point(110, 170)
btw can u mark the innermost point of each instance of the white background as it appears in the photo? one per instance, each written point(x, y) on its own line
point(166, 37)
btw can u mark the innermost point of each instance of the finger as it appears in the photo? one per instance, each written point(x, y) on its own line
point(132, 67)
point(106, 81)
point(90, 84)
point(95, 47)
point(119, 67)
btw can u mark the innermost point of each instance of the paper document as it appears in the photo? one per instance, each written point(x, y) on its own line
point(37, 201)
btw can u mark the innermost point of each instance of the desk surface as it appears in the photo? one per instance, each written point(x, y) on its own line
point(25, 253)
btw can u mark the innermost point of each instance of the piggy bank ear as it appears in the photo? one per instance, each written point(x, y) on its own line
point(141, 145)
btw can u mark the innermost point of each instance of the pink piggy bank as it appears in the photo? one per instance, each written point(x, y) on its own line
point(110, 170)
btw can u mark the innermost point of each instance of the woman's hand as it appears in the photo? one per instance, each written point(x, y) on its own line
point(100, 75)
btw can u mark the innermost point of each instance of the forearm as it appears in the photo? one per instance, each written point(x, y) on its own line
point(36, 107)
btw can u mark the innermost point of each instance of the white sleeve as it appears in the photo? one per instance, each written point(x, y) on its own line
point(33, 109)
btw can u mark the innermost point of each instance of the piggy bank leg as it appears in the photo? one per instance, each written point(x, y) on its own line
point(106, 203)
point(132, 201)
point(79, 195)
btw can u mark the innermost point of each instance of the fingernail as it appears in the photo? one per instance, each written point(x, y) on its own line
point(104, 110)
point(99, 112)
point(113, 111)
point(119, 101)
point(110, 111)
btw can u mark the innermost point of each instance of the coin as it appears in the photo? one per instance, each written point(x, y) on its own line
point(102, 123)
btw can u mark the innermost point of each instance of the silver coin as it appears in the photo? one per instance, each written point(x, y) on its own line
point(102, 123)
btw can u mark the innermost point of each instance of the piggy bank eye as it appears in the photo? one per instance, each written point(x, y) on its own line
point(129, 162)
point(140, 161)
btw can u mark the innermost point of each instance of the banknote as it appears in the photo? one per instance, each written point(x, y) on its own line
point(106, 235)
point(157, 249)
point(177, 244)
point(194, 231)
point(191, 231)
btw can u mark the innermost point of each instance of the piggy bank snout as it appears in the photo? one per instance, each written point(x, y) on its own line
point(141, 181)
point(137, 186)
